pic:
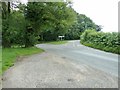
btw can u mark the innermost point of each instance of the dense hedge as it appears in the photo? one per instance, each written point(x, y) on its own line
point(109, 42)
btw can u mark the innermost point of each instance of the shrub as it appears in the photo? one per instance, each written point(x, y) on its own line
point(104, 41)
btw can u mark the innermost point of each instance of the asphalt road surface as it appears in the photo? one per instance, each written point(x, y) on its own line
point(104, 61)
point(70, 65)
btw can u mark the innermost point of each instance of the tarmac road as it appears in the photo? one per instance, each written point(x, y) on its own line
point(70, 65)
point(107, 62)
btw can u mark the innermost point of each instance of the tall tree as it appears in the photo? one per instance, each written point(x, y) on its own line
point(49, 19)
point(13, 24)
point(83, 23)
point(5, 24)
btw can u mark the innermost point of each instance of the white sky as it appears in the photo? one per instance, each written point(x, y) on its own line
point(102, 12)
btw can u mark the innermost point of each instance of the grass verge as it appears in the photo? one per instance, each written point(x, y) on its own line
point(56, 42)
point(9, 55)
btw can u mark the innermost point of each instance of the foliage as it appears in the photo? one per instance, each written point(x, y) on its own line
point(41, 21)
point(0, 25)
point(9, 55)
point(14, 33)
point(49, 20)
point(105, 41)
point(5, 23)
point(83, 23)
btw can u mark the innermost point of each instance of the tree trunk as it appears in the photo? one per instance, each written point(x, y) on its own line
point(8, 7)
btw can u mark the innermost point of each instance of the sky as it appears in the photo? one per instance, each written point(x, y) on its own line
point(102, 12)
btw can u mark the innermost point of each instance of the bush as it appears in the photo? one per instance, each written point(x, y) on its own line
point(104, 41)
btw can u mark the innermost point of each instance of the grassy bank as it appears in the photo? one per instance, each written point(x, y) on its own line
point(55, 42)
point(9, 55)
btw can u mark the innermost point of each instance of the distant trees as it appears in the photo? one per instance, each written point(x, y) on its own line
point(83, 23)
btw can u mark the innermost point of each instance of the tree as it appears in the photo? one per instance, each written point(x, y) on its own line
point(43, 21)
point(13, 25)
point(5, 24)
point(49, 20)
point(17, 28)
point(83, 23)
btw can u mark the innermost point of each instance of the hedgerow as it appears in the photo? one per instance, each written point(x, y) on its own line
point(109, 42)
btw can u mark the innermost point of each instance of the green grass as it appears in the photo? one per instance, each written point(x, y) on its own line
point(56, 42)
point(9, 55)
